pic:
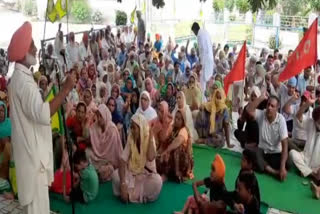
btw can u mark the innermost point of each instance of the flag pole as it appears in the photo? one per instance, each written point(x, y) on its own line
point(44, 33)
point(244, 71)
point(67, 16)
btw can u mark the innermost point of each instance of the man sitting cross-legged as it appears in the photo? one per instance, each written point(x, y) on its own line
point(272, 152)
point(308, 161)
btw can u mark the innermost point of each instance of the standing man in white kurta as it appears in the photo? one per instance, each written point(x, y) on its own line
point(205, 55)
point(31, 129)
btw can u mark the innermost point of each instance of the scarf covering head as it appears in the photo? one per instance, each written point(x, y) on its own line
point(5, 126)
point(153, 91)
point(218, 84)
point(215, 105)
point(162, 128)
point(20, 43)
point(106, 145)
point(116, 86)
point(138, 160)
point(41, 79)
point(219, 167)
point(149, 113)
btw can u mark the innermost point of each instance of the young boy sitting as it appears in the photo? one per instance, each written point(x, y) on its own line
point(86, 181)
point(246, 197)
point(200, 203)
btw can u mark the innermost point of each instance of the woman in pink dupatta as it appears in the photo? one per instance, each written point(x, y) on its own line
point(91, 106)
point(106, 146)
point(162, 126)
point(152, 91)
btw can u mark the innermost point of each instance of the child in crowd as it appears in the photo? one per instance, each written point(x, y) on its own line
point(201, 203)
point(246, 197)
point(86, 181)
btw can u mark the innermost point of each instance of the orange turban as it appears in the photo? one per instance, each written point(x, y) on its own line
point(20, 43)
point(157, 37)
point(219, 167)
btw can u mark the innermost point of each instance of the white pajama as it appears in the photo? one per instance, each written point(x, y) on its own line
point(299, 161)
point(40, 203)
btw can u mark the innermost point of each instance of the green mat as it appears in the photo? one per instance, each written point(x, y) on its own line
point(291, 195)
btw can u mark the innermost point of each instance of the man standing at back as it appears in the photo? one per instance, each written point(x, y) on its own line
point(205, 54)
point(31, 129)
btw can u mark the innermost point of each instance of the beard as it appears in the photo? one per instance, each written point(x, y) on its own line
point(30, 60)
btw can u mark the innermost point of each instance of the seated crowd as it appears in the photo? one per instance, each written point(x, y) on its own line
point(138, 107)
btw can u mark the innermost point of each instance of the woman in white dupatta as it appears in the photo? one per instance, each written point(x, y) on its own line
point(182, 106)
point(145, 107)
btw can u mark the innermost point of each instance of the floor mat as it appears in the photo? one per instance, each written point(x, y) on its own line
point(291, 195)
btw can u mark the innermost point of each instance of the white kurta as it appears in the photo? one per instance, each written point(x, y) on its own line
point(84, 52)
point(58, 46)
point(31, 141)
point(308, 161)
point(206, 57)
point(72, 54)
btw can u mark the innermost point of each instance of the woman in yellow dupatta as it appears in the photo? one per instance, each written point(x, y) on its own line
point(212, 123)
point(137, 180)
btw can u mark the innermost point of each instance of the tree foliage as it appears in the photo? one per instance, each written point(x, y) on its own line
point(121, 18)
point(315, 5)
point(262, 4)
point(218, 5)
point(230, 4)
point(243, 6)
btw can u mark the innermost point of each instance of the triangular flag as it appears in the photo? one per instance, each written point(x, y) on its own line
point(51, 11)
point(304, 55)
point(56, 119)
point(237, 72)
point(61, 7)
point(133, 14)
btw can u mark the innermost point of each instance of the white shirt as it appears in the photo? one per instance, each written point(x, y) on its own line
point(58, 46)
point(177, 78)
point(104, 44)
point(271, 134)
point(298, 131)
point(206, 54)
point(72, 54)
point(84, 52)
point(312, 148)
point(31, 133)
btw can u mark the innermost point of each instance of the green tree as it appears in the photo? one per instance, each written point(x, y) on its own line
point(121, 18)
point(262, 4)
point(230, 4)
point(315, 5)
point(218, 5)
point(243, 5)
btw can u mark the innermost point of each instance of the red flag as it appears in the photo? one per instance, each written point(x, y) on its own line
point(304, 55)
point(238, 70)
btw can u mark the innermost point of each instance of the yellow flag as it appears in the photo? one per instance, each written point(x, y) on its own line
point(61, 8)
point(56, 119)
point(133, 14)
point(51, 11)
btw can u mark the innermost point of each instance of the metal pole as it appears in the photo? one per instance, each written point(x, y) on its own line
point(44, 34)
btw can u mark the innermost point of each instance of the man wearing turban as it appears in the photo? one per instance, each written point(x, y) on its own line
point(31, 129)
